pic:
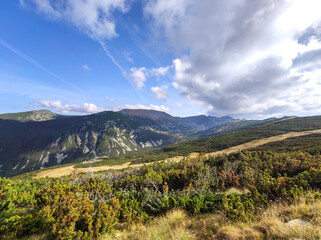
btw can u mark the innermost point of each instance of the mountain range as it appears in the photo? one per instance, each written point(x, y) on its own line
point(38, 139)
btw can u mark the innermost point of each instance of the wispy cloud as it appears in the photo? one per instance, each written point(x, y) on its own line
point(86, 67)
point(36, 64)
point(94, 18)
point(161, 71)
point(109, 99)
point(127, 55)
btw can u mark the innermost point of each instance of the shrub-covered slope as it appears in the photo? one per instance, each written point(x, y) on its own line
point(87, 206)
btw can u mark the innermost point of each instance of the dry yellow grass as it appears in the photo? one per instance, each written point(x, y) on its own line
point(269, 224)
point(57, 172)
point(262, 141)
point(172, 226)
point(63, 171)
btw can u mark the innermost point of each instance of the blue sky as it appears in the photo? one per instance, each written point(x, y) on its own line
point(184, 57)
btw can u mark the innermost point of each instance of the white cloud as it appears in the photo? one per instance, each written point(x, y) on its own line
point(162, 71)
point(94, 17)
point(141, 106)
point(67, 108)
point(109, 99)
point(86, 67)
point(247, 58)
point(138, 77)
point(159, 93)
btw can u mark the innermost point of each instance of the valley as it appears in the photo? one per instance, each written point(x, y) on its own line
point(44, 139)
point(213, 186)
point(64, 171)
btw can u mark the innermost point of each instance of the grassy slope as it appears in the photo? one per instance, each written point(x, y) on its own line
point(123, 162)
point(287, 171)
point(305, 143)
point(220, 142)
point(269, 224)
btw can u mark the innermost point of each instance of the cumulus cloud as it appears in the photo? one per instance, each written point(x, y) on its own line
point(93, 17)
point(141, 106)
point(86, 67)
point(138, 77)
point(159, 93)
point(247, 58)
point(109, 99)
point(70, 108)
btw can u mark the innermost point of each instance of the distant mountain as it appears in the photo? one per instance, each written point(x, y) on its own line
point(198, 123)
point(38, 139)
point(203, 122)
point(39, 115)
point(151, 114)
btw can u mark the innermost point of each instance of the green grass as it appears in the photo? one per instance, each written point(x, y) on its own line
point(310, 143)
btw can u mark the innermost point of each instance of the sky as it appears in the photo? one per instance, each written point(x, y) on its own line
point(243, 58)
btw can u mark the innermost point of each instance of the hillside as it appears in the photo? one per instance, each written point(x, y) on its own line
point(281, 129)
point(124, 137)
point(270, 192)
point(122, 163)
point(40, 139)
point(257, 195)
point(262, 129)
point(27, 146)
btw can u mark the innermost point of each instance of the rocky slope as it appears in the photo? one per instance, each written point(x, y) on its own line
point(39, 139)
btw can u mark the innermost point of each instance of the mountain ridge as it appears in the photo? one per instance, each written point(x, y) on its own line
point(38, 139)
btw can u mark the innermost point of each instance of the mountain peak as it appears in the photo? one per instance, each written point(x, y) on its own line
point(35, 115)
point(151, 114)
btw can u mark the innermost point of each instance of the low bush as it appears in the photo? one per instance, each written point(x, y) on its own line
point(237, 186)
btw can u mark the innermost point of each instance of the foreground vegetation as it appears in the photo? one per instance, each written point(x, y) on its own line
point(235, 188)
point(267, 224)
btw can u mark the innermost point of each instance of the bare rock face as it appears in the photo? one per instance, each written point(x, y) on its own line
point(298, 223)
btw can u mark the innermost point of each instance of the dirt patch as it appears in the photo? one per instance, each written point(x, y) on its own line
point(54, 173)
point(63, 171)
